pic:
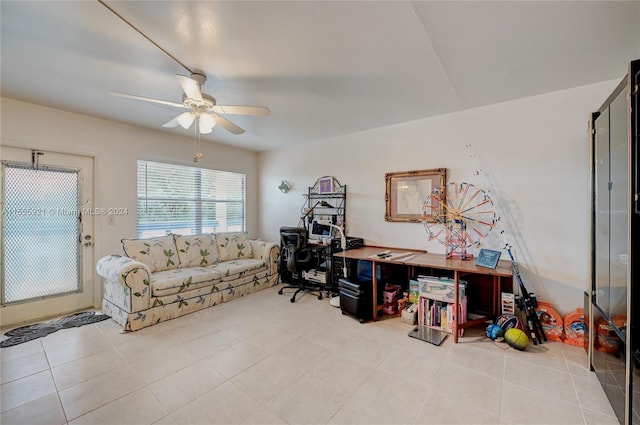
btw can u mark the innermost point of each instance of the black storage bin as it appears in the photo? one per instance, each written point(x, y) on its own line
point(355, 299)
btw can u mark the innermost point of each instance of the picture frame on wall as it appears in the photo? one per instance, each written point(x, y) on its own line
point(325, 185)
point(407, 192)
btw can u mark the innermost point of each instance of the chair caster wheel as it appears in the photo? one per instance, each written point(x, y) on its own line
point(362, 321)
point(280, 292)
point(320, 296)
point(344, 313)
point(293, 299)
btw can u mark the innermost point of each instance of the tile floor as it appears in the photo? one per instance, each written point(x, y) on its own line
point(262, 360)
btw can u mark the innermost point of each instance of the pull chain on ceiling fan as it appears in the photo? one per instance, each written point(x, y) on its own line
point(199, 105)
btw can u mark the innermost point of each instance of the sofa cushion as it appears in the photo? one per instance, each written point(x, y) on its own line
point(231, 270)
point(157, 253)
point(180, 280)
point(232, 246)
point(197, 250)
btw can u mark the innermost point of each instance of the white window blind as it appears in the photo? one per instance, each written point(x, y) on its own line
point(188, 200)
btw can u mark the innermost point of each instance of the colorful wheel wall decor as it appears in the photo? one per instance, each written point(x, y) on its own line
point(464, 216)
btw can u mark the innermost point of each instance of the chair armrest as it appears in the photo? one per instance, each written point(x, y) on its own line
point(130, 275)
point(268, 252)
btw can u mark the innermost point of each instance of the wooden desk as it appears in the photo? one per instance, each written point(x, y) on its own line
point(501, 277)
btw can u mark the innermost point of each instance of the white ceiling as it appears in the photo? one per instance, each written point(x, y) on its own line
point(324, 68)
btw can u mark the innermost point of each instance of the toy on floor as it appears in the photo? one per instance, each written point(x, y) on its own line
point(508, 321)
point(495, 332)
point(574, 328)
point(516, 338)
point(551, 321)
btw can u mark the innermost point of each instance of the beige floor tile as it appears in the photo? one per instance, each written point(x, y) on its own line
point(266, 379)
point(271, 339)
point(382, 399)
point(225, 405)
point(99, 391)
point(302, 354)
point(263, 360)
point(597, 418)
point(458, 395)
point(21, 350)
point(236, 359)
point(307, 401)
point(412, 365)
point(66, 336)
point(139, 408)
point(156, 364)
point(343, 375)
point(75, 349)
point(46, 410)
point(354, 345)
point(549, 355)
point(23, 366)
point(27, 389)
point(209, 344)
point(538, 378)
point(77, 371)
point(591, 396)
point(524, 406)
point(485, 358)
point(182, 387)
point(262, 416)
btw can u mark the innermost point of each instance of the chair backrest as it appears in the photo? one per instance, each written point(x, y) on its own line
point(294, 249)
point(296, 236)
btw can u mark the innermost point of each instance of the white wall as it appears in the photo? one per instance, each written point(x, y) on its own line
point(116, 147)
point(533, 152)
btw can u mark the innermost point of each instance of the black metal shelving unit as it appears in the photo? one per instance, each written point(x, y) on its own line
point(327, 201)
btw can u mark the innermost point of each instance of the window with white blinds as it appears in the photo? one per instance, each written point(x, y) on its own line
point(188, 200)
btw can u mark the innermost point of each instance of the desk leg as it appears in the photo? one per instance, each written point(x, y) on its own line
point(374, 288)
point(456, 306)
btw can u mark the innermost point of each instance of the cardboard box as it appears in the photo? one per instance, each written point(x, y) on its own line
point(442, 288)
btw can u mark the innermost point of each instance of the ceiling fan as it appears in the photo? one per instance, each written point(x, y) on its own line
point(201, 106)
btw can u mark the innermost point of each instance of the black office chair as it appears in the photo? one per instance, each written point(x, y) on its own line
point(295, 257)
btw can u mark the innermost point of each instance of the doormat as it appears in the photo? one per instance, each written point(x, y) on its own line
point(38, 330)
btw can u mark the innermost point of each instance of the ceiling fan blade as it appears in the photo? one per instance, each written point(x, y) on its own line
point(242, 110)
point(228, 125)
point(149, 99)
point(185, 120)
point(206, 123)
point(190, 87)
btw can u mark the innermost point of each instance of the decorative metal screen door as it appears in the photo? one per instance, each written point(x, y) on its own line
point(46, 246)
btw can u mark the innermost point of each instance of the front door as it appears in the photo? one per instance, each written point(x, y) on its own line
point(46, 237)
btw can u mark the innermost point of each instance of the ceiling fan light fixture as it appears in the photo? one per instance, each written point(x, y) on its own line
point(186, 119)
point(206, 123)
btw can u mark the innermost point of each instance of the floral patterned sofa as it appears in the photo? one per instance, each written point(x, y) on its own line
point(162, 278)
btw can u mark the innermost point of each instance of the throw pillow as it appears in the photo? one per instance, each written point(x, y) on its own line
point(233, 246)
point(157, 253)
point(197, 250)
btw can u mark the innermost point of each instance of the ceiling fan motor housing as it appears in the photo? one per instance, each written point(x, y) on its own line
point(207, 103)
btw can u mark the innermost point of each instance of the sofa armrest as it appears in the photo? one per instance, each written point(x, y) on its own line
point(267, 251)
point(126, 282)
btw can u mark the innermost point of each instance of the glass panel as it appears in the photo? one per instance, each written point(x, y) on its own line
point(41, 239)
point(619, 207)
point(602, 212)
